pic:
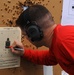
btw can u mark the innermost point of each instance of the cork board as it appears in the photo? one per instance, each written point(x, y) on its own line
point(9, 11)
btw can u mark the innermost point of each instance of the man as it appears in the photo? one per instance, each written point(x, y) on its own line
point(40, 28)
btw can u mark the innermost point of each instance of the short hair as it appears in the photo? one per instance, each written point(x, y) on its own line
point(33, 13)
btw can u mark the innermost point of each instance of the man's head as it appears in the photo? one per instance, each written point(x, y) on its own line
point(35, 19)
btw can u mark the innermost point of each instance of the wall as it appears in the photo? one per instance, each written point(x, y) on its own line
point(9, 11)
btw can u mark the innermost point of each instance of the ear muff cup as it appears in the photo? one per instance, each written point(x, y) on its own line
point(34, 32)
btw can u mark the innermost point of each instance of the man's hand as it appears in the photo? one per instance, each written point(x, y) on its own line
point(19, 45)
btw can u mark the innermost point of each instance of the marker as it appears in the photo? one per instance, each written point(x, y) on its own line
point(16, 48)
point(19, 49)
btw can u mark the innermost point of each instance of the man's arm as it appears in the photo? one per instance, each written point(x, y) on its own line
point(41, 57)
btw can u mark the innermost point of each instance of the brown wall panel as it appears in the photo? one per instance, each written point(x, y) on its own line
point(9, 11)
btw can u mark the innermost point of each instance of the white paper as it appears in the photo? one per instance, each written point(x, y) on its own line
point(7, 59)
point(68, 12)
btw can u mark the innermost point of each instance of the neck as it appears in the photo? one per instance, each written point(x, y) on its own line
point(49, 35)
